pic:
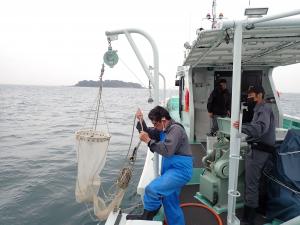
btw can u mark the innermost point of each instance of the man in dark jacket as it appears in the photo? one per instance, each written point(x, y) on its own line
point(261, 137)
point(218, 104)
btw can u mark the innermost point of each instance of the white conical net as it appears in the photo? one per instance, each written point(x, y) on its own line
point(91, 156)
point(92, 146)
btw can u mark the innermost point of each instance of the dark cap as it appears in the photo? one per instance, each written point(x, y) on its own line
point(222, 81)
point(256, 90)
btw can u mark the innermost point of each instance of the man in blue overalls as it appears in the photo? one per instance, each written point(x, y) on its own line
point(170, 140)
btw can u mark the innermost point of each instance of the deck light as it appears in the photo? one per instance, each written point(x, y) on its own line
point(256, 12)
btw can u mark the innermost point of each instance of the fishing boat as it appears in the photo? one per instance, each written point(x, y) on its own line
point(244, 52)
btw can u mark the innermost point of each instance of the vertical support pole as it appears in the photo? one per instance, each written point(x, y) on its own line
point(156, 102)
point(274, 91)
point(234, 156)
point(165, 94)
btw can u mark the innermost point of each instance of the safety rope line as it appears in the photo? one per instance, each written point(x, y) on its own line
point(280, 183)
point(289, 153)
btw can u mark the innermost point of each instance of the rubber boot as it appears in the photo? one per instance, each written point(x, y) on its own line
point(248, 216)
point(147, 215)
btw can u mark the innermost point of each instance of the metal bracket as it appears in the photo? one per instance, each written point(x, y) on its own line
point(234, 193)
point(112, 37)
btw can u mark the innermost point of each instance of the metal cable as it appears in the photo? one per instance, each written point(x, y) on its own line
point(99, 95)
point(280, 183)
point(133, 73)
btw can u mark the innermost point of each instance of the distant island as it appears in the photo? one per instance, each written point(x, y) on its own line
point(108, 83)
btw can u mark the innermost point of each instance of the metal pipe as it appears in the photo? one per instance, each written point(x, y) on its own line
point(192, 106)
point(274, 17)
point(139, 56)
point(155, 56)
point(268, 21)
point(234, 133)
point(164, 80)
point(155, 80)
point(209, 50)
point(274, 91)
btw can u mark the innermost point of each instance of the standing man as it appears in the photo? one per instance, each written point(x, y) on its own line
point(218, 105)
point(169, 139)
point(261, 137)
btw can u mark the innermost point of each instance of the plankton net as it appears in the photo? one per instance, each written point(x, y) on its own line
point(92, 143)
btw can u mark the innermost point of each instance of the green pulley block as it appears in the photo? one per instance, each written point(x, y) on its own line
point(111, 57)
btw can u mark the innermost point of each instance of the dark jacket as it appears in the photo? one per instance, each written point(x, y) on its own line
point(262, 127)
point(219, 102)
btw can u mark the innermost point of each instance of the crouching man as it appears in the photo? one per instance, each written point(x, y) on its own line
point(169, 139)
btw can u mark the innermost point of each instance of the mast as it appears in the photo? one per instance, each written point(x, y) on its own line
point(214, 14)
point(213, 17)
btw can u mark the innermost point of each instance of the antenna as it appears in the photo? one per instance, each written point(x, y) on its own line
point(214, 14)
point(213, 18)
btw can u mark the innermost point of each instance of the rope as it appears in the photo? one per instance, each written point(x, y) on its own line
point(99, 95)
point(133, 207)
point(134, 74)
point(131, 138)
point(124, 178)
point(280, 183)
point(105, 117)
point(289, 153)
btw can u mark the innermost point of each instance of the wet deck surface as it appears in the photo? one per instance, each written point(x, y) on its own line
point(201, 216)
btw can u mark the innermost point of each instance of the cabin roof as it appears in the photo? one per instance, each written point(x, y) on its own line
point(276, 43)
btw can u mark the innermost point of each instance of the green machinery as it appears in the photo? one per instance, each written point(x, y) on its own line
point(214, 178)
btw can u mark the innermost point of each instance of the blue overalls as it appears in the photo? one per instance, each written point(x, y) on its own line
point(176, 171)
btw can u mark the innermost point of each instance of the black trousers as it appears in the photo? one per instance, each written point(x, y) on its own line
point(255, 162)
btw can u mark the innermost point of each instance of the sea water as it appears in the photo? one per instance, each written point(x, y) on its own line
point(38, 155)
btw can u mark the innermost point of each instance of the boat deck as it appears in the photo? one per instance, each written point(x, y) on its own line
point(195, 216)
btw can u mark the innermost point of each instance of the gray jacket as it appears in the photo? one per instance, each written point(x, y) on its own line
point(176, 141)
point(262, 127)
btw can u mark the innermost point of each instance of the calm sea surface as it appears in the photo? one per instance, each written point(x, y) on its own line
point(38, 156)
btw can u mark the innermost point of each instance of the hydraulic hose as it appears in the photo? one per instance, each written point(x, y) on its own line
point(217, 217)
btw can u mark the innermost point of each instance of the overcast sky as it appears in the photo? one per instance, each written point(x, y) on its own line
point(60, 42)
